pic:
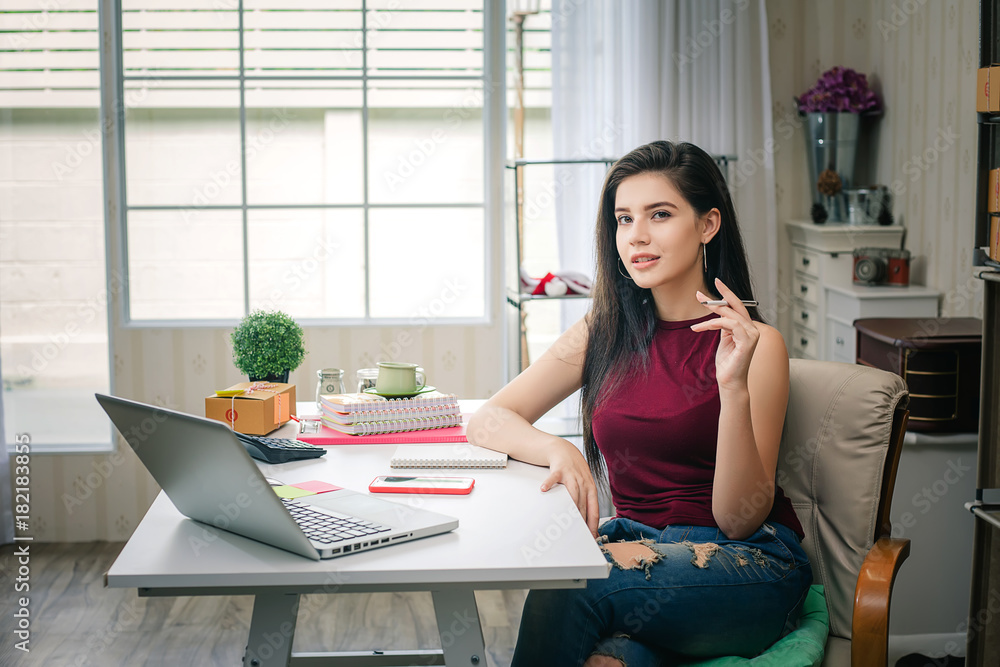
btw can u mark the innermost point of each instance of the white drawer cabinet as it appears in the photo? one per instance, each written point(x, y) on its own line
point(806, 316)
point(806, 261)
point(825, 302)
point(805, 343)
point(846, 303)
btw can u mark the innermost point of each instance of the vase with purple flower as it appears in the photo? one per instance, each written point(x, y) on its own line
point(833, 108)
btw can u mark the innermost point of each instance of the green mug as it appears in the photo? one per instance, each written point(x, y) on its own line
point(399, 378)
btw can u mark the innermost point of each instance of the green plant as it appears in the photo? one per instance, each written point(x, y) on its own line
point(267, 343)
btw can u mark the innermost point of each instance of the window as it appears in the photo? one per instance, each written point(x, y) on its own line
point(54, 286)
point(339, 149)
point(321, 157)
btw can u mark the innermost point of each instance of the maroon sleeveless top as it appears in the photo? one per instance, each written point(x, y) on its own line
point(658, 430)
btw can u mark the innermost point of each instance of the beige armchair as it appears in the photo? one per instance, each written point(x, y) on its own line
point(839, 452)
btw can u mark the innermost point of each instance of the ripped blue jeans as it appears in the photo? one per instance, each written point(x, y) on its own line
point(692, 593)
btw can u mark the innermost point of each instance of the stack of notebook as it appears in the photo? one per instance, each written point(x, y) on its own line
point(370, 414)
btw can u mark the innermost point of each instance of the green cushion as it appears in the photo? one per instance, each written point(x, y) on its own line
point(803, 647)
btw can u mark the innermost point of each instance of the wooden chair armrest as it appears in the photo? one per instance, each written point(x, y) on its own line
point(870, 624)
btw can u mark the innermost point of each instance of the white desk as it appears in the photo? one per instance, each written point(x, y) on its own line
point(510, 535)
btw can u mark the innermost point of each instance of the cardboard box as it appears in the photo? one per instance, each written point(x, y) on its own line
point(993, 193)
point(983, 89)
point(988, 89)
point(263, 407)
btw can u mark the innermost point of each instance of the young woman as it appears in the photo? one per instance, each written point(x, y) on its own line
point(685, 402)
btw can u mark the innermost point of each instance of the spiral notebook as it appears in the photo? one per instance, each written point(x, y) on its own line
point(388, 424)
point(447, 456)
point(346, 403)
point(391, 414)
point(329, 436)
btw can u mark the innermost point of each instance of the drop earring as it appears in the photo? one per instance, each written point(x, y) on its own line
point(704, 256)
point(624, 275)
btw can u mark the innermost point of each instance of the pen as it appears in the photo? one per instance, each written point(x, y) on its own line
point(723, 303)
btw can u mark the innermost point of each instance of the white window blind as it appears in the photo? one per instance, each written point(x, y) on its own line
point(280, 152)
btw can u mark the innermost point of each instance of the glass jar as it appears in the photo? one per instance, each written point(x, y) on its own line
point(331, 381)
point(367, 378)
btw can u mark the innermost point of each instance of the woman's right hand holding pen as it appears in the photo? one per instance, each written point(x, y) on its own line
point(568, 466)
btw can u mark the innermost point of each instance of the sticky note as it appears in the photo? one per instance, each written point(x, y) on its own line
point(316, 486)
point(292, 492)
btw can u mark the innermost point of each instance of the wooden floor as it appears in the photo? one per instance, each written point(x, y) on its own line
point(75, 620)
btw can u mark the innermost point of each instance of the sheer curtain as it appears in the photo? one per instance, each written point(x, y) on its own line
point(627, 73)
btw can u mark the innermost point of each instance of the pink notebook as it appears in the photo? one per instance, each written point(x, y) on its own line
point(328, 436)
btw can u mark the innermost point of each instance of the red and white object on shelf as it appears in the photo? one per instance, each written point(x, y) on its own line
point(556, 284)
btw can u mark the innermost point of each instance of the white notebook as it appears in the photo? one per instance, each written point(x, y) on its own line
point(447, 456)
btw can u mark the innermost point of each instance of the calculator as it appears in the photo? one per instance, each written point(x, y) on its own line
point(278, 450)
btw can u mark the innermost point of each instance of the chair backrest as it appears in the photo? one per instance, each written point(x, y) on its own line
point(837, 464)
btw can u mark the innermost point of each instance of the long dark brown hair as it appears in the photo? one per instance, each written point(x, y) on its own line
point(622, 319)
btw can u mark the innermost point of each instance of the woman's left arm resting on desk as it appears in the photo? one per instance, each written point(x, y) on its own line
point(505, 422)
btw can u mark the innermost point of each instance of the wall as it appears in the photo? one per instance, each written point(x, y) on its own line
point(921, 57)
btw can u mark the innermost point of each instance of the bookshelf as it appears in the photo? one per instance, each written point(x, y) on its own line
point(983, 638)
point(516, 174)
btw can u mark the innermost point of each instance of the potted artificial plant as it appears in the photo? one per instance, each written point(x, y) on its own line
point(833, 108)
point(267, 345)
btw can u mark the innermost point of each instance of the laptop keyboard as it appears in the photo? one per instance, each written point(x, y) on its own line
point(321, 527)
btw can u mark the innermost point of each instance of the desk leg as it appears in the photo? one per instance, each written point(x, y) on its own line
point(458, 625)
point(272, 629)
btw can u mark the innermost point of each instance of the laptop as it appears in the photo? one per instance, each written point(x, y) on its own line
point(208, 475)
